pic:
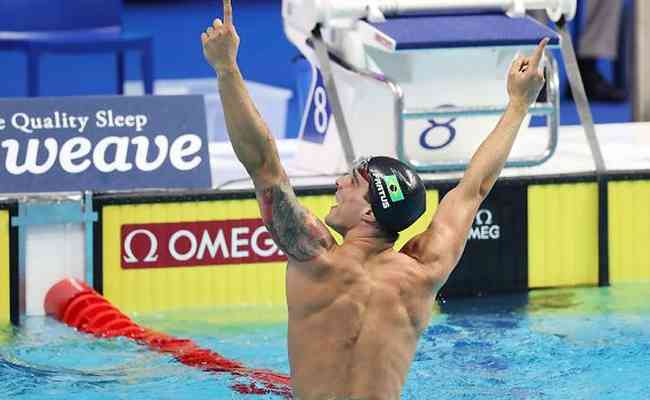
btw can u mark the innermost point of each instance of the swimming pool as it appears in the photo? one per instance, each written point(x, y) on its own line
point(584, 343)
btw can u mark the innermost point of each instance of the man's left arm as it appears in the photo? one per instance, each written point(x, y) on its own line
point(442, 244)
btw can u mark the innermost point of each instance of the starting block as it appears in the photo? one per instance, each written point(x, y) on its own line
point(423, 81)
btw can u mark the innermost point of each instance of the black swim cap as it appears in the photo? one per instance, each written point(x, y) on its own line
point(397, 194)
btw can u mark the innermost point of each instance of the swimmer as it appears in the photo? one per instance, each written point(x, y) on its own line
point(356, 310)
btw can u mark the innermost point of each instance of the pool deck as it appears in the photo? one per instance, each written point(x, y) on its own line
point(625, 148)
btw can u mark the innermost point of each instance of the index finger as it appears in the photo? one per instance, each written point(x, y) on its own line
point(227, 12)
point(537, 54)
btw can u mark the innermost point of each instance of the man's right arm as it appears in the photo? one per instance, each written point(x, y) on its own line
point(442, 244)
point(294, 229)
point(249, 135)
point(251, 140)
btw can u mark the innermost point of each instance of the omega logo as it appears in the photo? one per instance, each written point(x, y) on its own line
point(203, 245)
point(483, 227)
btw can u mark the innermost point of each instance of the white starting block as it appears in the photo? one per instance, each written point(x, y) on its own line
point(421, 80)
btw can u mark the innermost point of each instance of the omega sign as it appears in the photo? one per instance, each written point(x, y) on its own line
point(190, 244)
point(484, 228)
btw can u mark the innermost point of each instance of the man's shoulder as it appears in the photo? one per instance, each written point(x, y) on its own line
point(320, 263)
point(428, 262)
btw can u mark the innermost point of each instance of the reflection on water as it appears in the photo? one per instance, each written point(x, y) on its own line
point(7, 333)
point(624, 299)
point(227, 320)
point(582, 300)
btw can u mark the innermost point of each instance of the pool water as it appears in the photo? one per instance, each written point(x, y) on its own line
point(586, 343)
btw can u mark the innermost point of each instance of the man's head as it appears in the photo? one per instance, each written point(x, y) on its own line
point(381, 191)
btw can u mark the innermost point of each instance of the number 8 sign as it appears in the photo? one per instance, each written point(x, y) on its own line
point(319, 113)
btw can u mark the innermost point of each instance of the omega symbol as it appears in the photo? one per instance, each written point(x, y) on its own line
point(153, 247)
point(484, 217)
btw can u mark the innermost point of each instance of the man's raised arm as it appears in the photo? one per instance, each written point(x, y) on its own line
point(442, 244)
point(249, 135)
point(296, 231)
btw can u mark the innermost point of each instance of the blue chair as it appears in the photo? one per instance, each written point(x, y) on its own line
point(37, 27)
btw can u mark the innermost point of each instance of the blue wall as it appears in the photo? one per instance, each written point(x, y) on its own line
point(265, 54)
point(264, 57)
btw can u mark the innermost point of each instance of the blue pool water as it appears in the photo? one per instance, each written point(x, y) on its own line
point(591, 343)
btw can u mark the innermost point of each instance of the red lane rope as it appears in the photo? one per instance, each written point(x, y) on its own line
point(77, 305)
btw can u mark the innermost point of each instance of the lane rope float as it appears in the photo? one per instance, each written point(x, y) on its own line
point(79, 306)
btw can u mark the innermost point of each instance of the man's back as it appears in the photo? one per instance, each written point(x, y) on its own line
point(354, 322)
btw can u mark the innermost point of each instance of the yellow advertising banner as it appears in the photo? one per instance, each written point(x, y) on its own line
point(562, 235)
point(5, 269)
point(629, 227)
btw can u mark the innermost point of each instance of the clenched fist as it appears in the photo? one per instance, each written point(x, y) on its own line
point(525, 80)
point(221, 42)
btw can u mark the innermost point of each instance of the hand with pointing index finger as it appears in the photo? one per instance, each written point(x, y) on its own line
point(221, 42)
point(526, 78)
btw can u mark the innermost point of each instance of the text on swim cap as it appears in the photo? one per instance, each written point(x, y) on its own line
point(382, 193)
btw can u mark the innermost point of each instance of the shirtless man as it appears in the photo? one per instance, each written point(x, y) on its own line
point(356, 310)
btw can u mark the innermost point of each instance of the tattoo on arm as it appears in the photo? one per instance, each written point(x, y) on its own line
point(296, 231)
